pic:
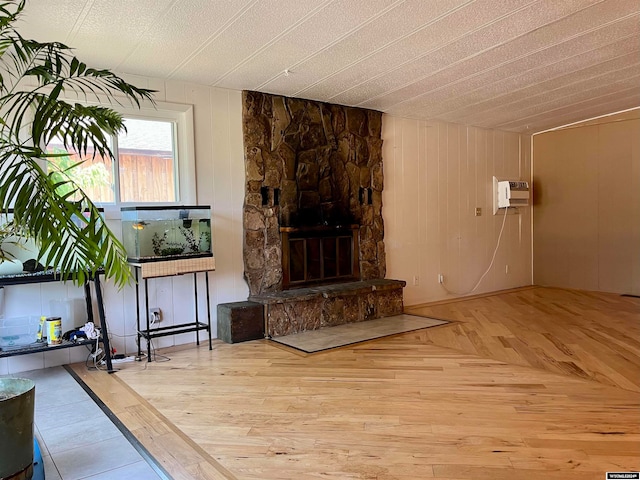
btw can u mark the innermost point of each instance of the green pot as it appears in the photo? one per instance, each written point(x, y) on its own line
point(17, 399)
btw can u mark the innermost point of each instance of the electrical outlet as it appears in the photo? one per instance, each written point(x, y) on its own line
point(440, 278)
point(478, 211)
point(416, 280)
point(506, 269)
point(155, 315)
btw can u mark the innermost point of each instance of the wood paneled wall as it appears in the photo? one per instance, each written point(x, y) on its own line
point(587, 206)
point(435, 175)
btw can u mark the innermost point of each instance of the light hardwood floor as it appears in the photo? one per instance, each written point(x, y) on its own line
point(582, 334)
point(538, 383)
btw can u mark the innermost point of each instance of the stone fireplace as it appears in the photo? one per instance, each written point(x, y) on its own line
point(313, 197)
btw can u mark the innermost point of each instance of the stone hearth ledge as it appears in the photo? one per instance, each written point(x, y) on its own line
point(299, 310)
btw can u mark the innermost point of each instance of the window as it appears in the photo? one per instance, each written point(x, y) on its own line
point(153, 160)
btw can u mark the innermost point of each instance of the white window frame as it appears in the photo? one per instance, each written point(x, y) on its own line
point(181, 115)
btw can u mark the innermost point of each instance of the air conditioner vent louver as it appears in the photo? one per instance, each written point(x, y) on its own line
point(509, 193)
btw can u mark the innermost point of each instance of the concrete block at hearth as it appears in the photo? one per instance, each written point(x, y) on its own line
point(240, 321)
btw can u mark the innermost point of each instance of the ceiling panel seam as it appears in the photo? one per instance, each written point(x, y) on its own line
point(511, 92)
point(588, 103)
point(521, 57)
point(265, 46)
point(531, 70)
point(385, 46)
point(599, 109)
point(421, 56)
point(137, 45)
point(634, 91)
point(195, 52)
point(339, 39)
point(564, 86)
point(88, 5)
point(441, 47)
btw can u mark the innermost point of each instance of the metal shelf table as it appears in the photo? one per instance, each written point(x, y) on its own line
point(53, 276)
point(146, 270)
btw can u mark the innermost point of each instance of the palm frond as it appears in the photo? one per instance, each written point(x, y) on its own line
point(71, 234)
point(51, 208)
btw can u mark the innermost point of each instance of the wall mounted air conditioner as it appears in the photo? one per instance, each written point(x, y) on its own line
point(509, 193)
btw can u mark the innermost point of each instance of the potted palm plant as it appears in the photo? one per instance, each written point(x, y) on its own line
point(49, 207)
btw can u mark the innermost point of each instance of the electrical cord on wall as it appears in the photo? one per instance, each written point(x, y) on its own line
point(493, 258)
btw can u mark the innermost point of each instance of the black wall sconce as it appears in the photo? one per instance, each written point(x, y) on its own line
point(270, 196)
point(365, 196)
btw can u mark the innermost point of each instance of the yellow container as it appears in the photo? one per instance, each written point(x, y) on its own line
point(54, 330)
point(42, 335)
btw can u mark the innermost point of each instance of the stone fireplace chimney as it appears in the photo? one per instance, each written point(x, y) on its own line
point(313, 201)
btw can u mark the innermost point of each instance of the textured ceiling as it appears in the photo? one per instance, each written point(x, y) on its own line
point(516, 65)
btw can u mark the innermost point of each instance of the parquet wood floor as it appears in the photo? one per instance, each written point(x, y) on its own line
point(404, 407)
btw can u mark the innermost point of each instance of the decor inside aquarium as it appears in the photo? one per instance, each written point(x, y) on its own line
point(162, 247)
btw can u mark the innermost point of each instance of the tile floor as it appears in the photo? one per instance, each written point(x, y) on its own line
point(332, 337)
point(77, 439)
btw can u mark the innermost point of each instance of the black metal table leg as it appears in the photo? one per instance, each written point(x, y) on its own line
point(135, 269)
point(146, 306)
point(206, 279)
point(87, 300)
point(195, 294)
point(103, 323)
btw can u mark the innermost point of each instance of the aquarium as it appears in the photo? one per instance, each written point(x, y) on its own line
point(152, 234)
point(19, 253)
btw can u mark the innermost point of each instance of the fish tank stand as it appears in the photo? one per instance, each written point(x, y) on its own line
point(155, 269)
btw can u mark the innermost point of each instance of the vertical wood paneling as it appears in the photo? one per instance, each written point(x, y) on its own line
point(509, 243)
point(389, 201)
point(410, 189)
point(430, 266)
point(239, 289)
point(228, 195)
point(484, 191)
point(522, 243)
point(587, 210)
point(200, 97)
point(222, 223)
point(434, 229)
point(453, 206)
point(442, 212)
point(468, 225)
point(422, 227)
point(490, 219)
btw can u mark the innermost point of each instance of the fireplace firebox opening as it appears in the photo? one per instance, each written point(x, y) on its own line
point(318, 255)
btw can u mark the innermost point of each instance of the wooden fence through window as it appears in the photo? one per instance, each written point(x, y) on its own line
point(143, 178)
